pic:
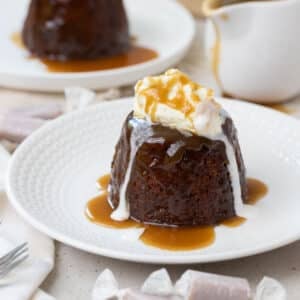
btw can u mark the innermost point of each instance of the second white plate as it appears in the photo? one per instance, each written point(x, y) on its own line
point(164, 26)
point(53, 173)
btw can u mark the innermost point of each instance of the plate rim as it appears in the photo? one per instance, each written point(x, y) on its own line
point(126, 256)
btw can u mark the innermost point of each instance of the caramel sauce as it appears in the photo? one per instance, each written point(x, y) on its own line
point(216, 55)
point(136, 55)
point(234, 222)
point(256, 190)
point(179, 239)
point(158, 93)
point(103, 181)
point(98, 211)
point(220, 3)
point(16, 38)
point(211, 5)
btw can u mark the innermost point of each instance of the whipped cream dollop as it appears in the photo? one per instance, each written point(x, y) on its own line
point(174, 100)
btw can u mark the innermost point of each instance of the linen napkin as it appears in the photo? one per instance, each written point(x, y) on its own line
point(23, 282)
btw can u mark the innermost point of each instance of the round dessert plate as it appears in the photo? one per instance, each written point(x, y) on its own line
point(152, 23)
point(53, 174)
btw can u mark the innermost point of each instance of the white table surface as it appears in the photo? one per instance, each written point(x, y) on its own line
point(75, 271)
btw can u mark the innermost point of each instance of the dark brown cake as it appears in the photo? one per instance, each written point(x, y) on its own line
point(76, 29)
point(176, 179)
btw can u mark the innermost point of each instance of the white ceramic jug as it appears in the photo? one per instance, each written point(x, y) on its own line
point(254, 48)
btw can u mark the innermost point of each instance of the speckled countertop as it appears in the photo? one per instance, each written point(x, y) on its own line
point(75, 271)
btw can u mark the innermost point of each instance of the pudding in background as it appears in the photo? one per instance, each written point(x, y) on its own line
point(76, 29)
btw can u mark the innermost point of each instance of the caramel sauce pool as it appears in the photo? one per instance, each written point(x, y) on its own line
point(256, 190)
point(103, 181)
point(234, 222)
point(17, 39)
point(179, 239)
point(98, 211)
point(135, 55)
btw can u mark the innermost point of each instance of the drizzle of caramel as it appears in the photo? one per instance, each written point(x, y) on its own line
point(210, 5)
point(216, 54)
point(256, 190)
point(158, 92)
point(179, 239)
point(220, 3)
point(135, 55)
point(234, 222)
point(98, 211)
point(103, 181)
point(16, 38)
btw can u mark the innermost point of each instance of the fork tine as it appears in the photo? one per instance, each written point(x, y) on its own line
point(12, 252)
point(13, 263)
point(11, 266)
point(13, 257)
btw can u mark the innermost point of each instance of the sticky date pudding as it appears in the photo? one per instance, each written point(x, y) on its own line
point(178, 161)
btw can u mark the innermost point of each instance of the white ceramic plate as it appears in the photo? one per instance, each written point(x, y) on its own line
point(53, 173)
point(155, 23)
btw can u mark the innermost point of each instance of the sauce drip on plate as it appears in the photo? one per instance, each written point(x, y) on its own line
point(98, 210)
point(256, 190)
point(234, 222)
point(136, 55)
point(178, 239)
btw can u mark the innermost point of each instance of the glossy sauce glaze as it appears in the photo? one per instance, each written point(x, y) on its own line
point(103, 182)
point(256, 190)
point(176, 160)
point(220, 3)
point(135, 55)
point(216, 54)
point(179, 239)
point(234, 222)
point(98, 210)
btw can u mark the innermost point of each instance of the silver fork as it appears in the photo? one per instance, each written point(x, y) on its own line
point(12, 259)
